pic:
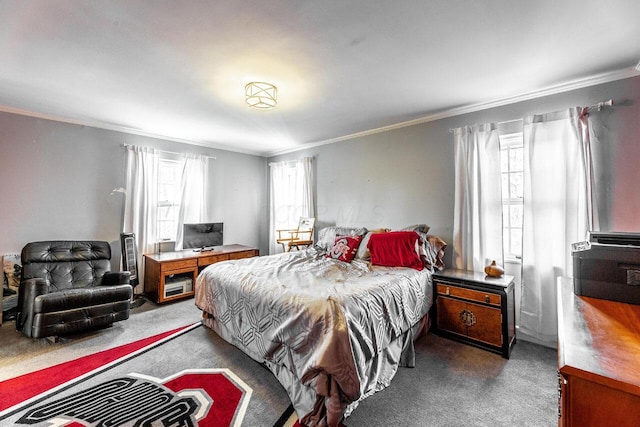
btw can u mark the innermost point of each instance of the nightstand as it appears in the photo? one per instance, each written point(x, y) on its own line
point(476, 309)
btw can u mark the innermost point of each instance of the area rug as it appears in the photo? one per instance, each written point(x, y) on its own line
point(184, 377)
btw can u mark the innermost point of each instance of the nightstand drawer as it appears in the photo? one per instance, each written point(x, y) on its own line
point(470, 320)
point(469, 294)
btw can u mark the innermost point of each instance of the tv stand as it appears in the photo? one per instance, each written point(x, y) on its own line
point(170, 276)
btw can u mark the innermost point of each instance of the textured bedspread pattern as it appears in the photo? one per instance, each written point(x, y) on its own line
point(324, 327)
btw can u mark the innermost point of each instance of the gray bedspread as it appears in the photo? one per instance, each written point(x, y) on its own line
point(331, 332)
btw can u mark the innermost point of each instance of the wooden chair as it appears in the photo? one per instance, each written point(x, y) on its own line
point(299, 237)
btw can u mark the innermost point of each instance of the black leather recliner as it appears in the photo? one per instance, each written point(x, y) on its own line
point(67, 287)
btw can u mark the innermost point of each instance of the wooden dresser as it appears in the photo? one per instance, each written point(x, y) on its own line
point(598, 360)
point(172, 275)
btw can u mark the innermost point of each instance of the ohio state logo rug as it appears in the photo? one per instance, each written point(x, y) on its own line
point(202, 397)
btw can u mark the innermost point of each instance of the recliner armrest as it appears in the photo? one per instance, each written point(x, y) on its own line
point(113, 279)
point(27, 293)
point(82, 298)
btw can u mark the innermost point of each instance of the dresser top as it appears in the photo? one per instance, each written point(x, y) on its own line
point(598, 338)
point(504, 281)
point(189, 253)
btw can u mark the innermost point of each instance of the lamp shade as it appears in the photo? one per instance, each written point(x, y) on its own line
point(260, 95)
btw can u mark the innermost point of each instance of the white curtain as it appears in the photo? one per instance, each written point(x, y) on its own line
point(291, 196)
point(141, 200)
point(193, 201)
point(477, 226)
point(557, 212)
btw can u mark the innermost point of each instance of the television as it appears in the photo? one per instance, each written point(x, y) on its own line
point(202, 236)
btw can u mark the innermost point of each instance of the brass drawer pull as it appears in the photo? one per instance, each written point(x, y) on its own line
point(487, 299)
point(467, 317)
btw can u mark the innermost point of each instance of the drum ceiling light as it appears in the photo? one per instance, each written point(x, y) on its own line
point(261, 95)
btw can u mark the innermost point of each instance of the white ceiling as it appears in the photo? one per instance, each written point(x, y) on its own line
point(177, 69)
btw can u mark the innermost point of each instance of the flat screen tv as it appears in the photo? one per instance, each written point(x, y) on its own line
point(202, 236)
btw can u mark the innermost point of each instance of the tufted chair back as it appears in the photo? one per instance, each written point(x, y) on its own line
point(66, 264)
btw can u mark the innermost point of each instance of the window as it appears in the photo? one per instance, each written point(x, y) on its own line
point(289, 209)
point(289, 186)
point(169, 176)
point(512, 169)
point(291, 189)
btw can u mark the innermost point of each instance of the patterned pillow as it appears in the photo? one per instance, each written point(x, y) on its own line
point(344, 248)
point(434, 252)
point(327, 236)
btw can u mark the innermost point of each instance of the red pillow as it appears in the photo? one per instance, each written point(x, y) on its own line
point(344, 248)
point(395, 249)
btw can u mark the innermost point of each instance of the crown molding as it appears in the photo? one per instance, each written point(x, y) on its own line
point(124, 129)
point(552, 90)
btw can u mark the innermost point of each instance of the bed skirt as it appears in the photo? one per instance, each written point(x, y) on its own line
point(309, 398)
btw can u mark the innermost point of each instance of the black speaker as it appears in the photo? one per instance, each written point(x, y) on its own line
point(130, 256)
point(130, 264)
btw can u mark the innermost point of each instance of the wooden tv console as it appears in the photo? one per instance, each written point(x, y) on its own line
point(172, 275)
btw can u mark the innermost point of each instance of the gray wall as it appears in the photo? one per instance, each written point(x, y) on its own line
point(57, 180)
point(405, 176)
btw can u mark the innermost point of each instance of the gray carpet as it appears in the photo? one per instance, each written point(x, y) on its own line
point(20, 355)
point(458, 385)
point(452, 385)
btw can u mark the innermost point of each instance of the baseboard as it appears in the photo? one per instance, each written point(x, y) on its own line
point(521, 336)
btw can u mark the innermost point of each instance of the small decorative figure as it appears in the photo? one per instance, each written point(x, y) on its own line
point(494, 270)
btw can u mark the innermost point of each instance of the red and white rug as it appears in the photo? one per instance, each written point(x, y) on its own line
point(187, 376)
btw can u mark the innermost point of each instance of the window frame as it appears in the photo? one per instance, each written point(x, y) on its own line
point(173, 204)
point(508, 142)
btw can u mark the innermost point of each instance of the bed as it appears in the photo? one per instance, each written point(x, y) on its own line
point(332, 322)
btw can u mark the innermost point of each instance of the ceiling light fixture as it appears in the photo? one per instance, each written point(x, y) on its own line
point(260, 95)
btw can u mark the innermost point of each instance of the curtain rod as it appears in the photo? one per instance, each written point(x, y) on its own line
point(292, 160)
point(599, 105)
point(505, 122)
point(167, 152)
